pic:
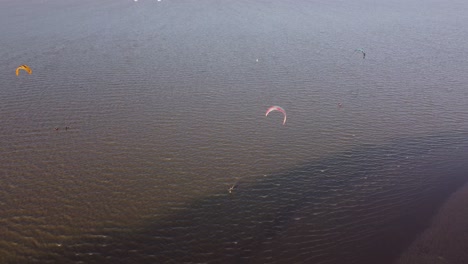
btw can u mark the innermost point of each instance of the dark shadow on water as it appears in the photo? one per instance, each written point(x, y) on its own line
point(364, 205)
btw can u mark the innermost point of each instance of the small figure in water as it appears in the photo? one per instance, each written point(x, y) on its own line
point(340, 105)
point(67, 127)
point(231, 189)
point(56, 129)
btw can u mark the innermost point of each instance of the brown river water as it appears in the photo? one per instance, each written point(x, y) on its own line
point(165, 103)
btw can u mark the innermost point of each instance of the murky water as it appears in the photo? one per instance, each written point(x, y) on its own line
point(166, 107)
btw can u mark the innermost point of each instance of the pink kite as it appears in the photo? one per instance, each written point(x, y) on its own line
point(277, 108)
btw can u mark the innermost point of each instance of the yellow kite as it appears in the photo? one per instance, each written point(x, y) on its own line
point(23, 67)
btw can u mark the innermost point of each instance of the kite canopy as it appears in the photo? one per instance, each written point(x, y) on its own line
point(23, 67)
point(277, 108)
point(361, 51)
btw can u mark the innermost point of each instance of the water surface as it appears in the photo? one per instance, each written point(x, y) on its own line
point(166, 104)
